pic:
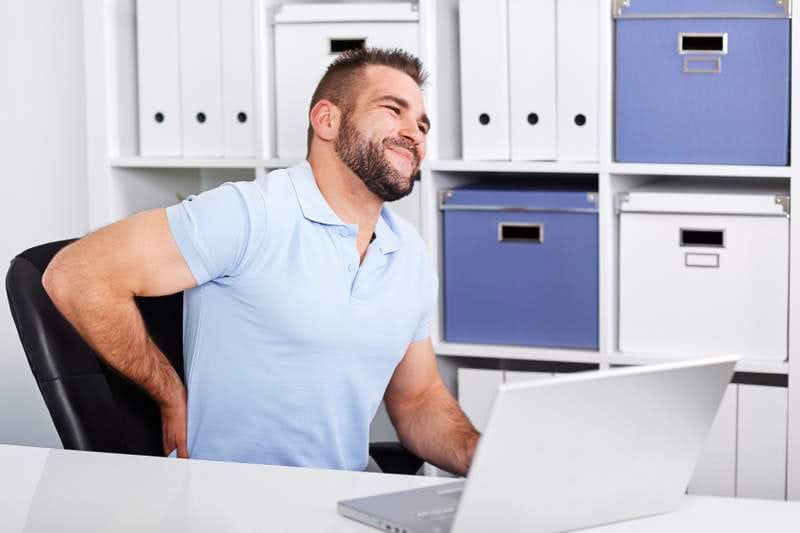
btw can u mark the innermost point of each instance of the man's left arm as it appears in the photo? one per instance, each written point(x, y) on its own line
point(427, 418)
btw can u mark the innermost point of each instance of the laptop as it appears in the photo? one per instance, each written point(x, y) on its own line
point(569, 452)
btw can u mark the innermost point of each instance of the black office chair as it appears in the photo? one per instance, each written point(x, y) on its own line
point(93, 407)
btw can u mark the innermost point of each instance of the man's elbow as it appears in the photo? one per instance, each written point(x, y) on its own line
point(52, 282)
point(402, 414)
point(56, 279)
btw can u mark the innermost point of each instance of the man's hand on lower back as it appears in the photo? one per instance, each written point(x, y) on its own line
point(173, 426)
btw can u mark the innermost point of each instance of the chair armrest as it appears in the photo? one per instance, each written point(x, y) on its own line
point(392, 458)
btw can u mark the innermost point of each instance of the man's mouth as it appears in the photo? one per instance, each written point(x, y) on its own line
point(405, 153)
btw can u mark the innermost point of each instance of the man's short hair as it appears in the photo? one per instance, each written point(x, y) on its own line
point(341, 82)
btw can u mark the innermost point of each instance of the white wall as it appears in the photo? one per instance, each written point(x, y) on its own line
point(43, 166)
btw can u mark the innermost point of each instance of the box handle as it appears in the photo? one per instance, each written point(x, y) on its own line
point(702, 65)
point(342, 45)
point(707, 238)
point(516, 232)
point(702, 260)
point(703, 43)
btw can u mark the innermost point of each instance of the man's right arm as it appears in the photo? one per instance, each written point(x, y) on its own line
point(93, 282)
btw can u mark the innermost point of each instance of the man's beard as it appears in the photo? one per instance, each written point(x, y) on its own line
point(368, 161)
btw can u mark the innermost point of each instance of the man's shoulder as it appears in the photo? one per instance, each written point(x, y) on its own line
point(266, 199)
point(275, 182)
point(274, 189)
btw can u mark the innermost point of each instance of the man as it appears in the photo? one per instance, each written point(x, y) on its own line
point(306, 300)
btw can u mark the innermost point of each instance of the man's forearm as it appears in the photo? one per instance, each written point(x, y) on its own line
point(113, 326)
point(434, 428)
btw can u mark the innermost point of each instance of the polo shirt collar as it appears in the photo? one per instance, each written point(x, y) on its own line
point(388, 240)
point(312, 203)
point(316, 208)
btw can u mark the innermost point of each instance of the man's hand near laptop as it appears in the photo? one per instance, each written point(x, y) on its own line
point(428, 420)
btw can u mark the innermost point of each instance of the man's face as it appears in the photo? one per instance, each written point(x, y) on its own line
point(382, 138)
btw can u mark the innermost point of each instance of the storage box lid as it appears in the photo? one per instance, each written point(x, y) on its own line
point(488, 197)
point(705, 200)
point(702, 8)
point(346, 12)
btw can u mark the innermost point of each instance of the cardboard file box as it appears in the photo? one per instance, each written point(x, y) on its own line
point(200, 47)
point(520, 267)
point(703, 273)
point(196, 78)
point(158, 64)
point(483, 42)
point(705, 81)
point(529, 79)
point(308, 37)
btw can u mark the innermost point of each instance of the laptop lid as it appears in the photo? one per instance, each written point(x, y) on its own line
point(591, 448)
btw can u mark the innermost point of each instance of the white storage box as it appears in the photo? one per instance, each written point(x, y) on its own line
point(309, 36)
point(703, 273)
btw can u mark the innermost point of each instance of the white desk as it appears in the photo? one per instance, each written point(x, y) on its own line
point(64, 491)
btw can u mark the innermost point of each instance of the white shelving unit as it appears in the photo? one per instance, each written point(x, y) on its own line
point(122, 183)
point(163, 162)
point(525, 167)
point(727, 171)
point(520, 353)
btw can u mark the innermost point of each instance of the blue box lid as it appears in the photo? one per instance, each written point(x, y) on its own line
point(532, 197)
point(702, 8)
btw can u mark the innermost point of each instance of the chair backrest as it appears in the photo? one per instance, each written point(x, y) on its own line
point(93, 408)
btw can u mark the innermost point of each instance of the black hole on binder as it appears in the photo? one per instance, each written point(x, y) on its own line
point(512, 233)
point(707, 238)
point(483, 119)
point(201, 117)
point(702, 43)
point(342, 45)
point(242, 117)
point(159, 117)
point(533, 119)
point(580, 119)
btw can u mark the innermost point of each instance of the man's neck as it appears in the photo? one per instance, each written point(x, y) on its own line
point(345, 192)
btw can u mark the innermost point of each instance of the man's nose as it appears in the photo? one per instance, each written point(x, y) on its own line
point(411, 131)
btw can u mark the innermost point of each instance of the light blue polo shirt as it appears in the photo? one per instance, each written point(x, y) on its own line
point(289, 343)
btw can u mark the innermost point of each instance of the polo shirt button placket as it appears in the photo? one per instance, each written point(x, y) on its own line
point(345, 233)
point(351, 269)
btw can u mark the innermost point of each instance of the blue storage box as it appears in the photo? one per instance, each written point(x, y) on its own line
point(703, 81)
point(520, 267)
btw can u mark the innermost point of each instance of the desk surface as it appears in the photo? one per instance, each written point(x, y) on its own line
point(67, 491)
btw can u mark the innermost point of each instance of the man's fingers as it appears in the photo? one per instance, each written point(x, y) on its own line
point(182, 451)
point(173, 422)
point(173, 443)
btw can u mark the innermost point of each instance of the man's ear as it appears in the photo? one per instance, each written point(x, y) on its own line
point(325, 118)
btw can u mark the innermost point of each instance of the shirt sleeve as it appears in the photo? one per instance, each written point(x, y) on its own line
point(214, 230)
point(423, 330)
